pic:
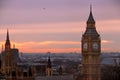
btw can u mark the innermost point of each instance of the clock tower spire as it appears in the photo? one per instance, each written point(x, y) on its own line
point(91, 50)
point(91, 19)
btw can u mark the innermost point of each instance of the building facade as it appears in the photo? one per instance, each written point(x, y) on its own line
point(91, 50)
point(13, 68)
point(9, 66)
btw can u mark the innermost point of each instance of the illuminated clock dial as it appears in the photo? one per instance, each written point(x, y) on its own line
point(95, 46)
point(85, 46)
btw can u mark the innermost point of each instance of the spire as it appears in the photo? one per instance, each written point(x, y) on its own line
point(91, 29)
point(7, 44)
point(91, 19)
point(90, 8)
point(60, 70)
point(49, 62)
point(7, 35)
point(7, 38)
point(49, 67)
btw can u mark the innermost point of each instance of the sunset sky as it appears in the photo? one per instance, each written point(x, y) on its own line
point(57, 25)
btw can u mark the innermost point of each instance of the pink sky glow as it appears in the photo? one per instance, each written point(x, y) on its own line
point(57, 25)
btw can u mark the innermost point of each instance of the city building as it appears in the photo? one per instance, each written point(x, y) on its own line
point(10, 59)
point(91, 51)
point(13, 68)
point(49, 68)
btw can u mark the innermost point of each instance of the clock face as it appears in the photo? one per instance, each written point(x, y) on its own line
point(95, 46)
point(85, 46)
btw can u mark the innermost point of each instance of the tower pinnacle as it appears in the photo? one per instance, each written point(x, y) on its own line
point(7, 43)
point(49, 63)
point(90, 19)
point(49, 67)
point(90, 7)
point(7, 38)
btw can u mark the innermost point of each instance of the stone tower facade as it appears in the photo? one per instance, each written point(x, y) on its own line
point(7, 58)
point(91, 50)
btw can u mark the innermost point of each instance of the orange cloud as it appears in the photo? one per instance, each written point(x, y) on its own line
point(45, 43)
point(54, 50)
point(106, 41)
point(64, 27)
point(109, 26)
point(46, 46)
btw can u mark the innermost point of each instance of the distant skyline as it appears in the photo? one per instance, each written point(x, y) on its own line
point(58, 25)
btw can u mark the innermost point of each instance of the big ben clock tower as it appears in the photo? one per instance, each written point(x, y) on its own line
point(91, 50)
